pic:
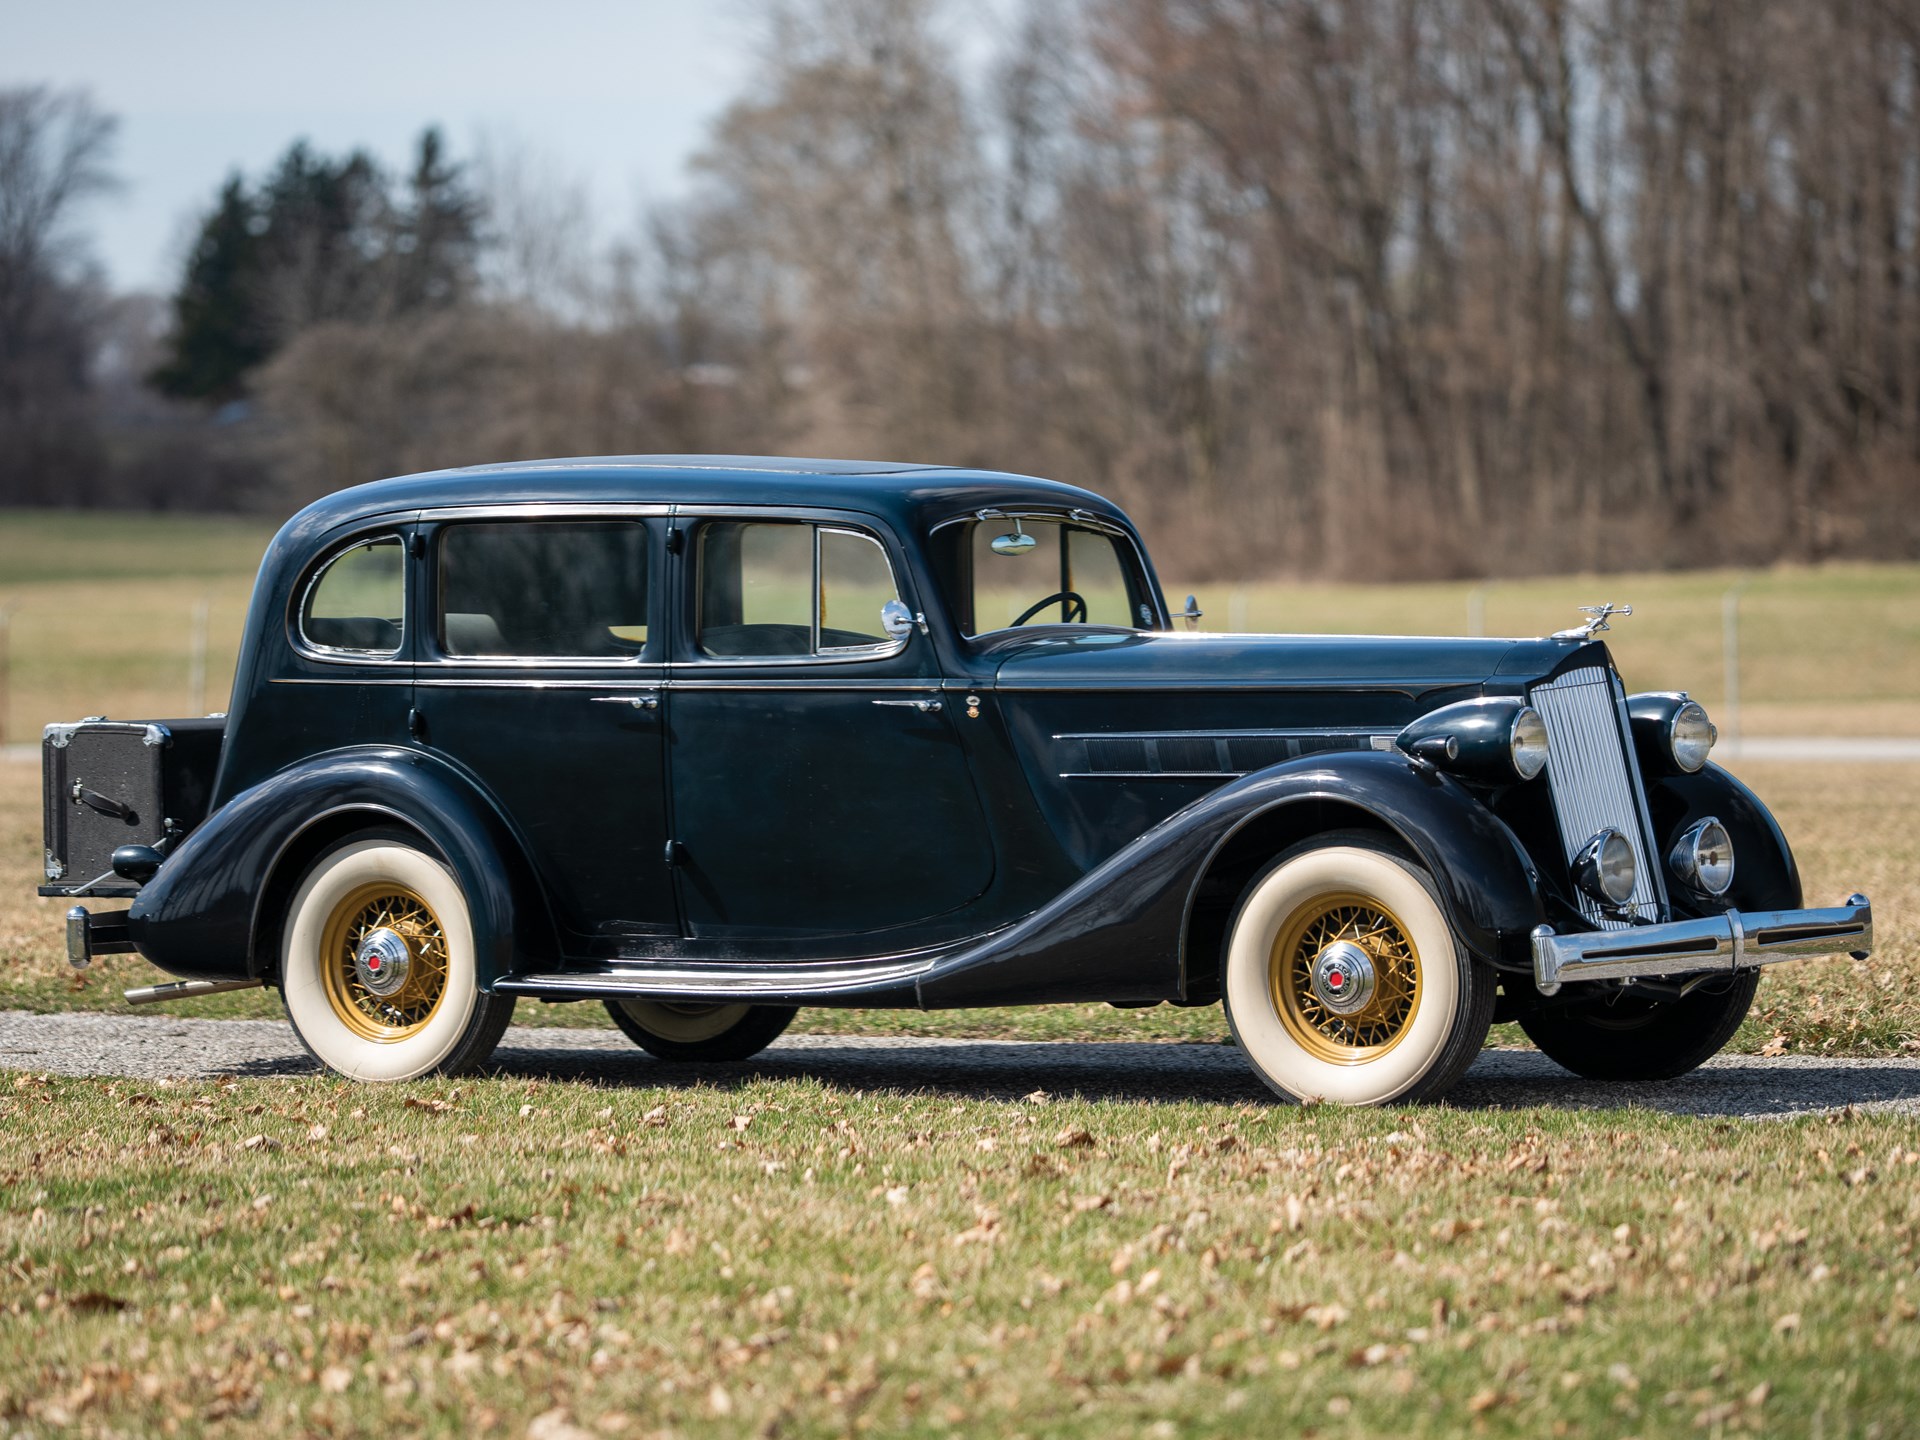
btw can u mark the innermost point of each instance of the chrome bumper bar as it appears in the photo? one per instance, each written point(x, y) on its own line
point(1729, 942)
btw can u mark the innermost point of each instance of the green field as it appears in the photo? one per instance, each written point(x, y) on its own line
point(101, 621)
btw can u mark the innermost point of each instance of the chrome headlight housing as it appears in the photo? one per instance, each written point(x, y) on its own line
point(1606, 868)
point(1671, 731)
point(1690, 735)
point(1527, 743)
point(1703, 857)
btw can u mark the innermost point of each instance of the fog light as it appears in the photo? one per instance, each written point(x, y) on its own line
point(1606, 869)
point(1703, 857)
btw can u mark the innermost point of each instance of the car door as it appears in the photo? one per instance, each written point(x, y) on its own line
point(541, 675)
point(819, 786)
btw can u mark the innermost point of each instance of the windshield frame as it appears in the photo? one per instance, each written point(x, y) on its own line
point(1132, 558)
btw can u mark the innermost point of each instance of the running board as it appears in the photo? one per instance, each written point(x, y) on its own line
point(888, 981)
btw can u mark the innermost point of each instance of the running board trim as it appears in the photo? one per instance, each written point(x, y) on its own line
point(723, 982)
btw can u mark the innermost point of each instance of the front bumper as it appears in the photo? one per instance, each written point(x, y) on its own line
point(1729, 942)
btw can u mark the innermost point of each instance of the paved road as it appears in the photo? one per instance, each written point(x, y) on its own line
point(152, 1047)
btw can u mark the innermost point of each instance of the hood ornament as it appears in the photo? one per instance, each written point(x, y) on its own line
point(1596, 622)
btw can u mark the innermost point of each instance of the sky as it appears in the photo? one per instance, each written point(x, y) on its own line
point(614, 95)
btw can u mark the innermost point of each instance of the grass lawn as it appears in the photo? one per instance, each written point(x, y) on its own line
point(512, 1257)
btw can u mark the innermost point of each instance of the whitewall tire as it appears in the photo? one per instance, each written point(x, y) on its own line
point(697, 1032)
point(1344, 982)
point(377, 966)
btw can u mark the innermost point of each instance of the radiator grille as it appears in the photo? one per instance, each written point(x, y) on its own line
point(1594, 782)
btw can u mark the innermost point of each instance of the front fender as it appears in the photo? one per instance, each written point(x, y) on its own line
point(206, 911)
point(1765, 876)
point(1119, 932)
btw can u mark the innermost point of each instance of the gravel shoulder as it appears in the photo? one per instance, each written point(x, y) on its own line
point(1734, 1086)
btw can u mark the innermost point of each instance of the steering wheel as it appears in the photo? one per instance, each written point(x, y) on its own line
point(1078, 604)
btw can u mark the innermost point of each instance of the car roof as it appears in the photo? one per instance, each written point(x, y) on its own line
point(910, 495)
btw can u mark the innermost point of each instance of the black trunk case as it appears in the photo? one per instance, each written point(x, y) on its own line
point(110, 783)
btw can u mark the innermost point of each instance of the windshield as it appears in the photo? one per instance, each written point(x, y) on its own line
point(1036, 571)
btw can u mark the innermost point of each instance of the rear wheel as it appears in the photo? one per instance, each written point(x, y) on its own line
point(377, 966)
point(1344, 981)
point(1624, 1037)
point(676, 1031)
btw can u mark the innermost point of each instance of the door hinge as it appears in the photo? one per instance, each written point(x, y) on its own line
point(673, 540)
point(417, 544)
point(416, 724)
point(676, 853)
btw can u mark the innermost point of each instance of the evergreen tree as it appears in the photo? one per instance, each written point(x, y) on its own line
point(218, 331)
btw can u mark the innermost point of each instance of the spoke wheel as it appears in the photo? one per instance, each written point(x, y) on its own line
point(385, 957)
point(379, 966)
point(1343, 980)
point(1383, 1017)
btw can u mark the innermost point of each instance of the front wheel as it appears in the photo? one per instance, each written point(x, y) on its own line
point(1344, 982)
point(377, 966)
point(675, 1031)
point(1623, 1037)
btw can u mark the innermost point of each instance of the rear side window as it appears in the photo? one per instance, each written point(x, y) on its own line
point(770, 590)
point(554, 589)
point(357, 604)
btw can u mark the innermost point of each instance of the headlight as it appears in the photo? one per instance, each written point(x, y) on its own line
point(1495, 740)
point(1528, 743)
point(1671, 732)
point(1606, 868)
point(1703, 857)
point(1691, 735)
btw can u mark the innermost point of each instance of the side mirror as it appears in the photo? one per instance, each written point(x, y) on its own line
point(1192, 613)
point(896, 619)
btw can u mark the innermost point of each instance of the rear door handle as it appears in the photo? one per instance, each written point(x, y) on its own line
point(925, 707)
point(638, 702)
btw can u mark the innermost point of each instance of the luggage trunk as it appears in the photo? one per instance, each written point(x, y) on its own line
point(110, 783)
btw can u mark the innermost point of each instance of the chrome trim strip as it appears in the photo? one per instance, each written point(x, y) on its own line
point(720, 982)
point(1300, 732)
point(338, 679)
point(1727, 943)
point(547, 510)
point(1222, 775)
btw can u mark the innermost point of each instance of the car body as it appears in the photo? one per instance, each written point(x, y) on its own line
point(710, 738)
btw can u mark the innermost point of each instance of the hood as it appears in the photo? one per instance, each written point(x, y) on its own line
point(1412, 664)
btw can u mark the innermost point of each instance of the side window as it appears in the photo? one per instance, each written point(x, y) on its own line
point(357, 604)
point(771, 589)
point(554, 589)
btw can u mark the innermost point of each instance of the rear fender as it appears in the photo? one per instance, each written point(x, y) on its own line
point(214, 910)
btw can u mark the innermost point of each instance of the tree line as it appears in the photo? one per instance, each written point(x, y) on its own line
point(1361, 288)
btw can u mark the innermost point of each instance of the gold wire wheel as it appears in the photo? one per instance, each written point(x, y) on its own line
point(1319, 929)
point(364, 936)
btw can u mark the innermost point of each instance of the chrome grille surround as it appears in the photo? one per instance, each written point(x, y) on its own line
point(1595, 783)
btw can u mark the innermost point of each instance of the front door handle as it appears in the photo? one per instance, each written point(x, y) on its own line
point(638, 702)
point(925, 707)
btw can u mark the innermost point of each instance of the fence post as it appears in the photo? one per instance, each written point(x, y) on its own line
point(1730, 648)
point(1237, 612)
point(1477, 610)
point(197, 658)
point(6, 695)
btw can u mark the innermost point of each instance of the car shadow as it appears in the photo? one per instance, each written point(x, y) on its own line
point(1734, 1086)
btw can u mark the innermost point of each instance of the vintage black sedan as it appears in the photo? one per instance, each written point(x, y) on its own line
point(706, 739)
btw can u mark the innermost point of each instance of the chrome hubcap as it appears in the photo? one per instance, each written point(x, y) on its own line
point(1343, 977)
point(382, 960)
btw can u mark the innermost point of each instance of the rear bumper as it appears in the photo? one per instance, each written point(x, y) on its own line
point(1729, 942)
point(90, 935)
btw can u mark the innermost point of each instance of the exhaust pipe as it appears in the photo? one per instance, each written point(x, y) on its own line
point(181, 989)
